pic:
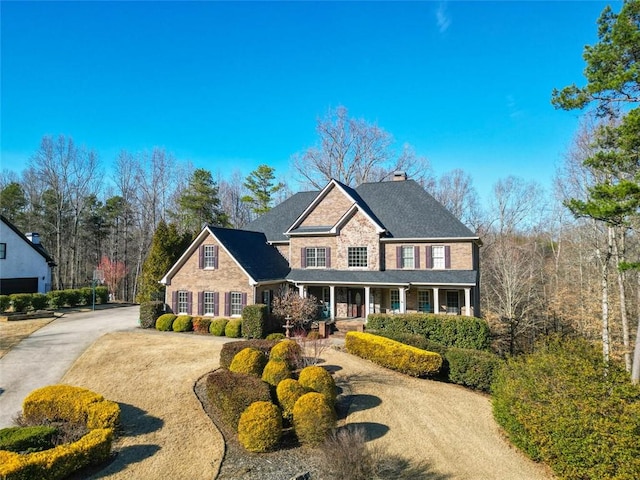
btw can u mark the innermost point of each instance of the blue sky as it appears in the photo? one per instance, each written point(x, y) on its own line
point(231, 85)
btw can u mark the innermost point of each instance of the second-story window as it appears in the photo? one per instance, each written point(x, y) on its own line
point(438, 257)
point(408, 260)
point(316, 256)
point(210, 260)
point(183, 302)
point(357, 256)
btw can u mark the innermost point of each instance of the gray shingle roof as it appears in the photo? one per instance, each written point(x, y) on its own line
point(261, 261)
point(407, 211)
point(278, 220)
point(388, 277)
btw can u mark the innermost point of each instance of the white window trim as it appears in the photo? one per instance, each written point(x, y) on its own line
point(438, 265)
point(407, 248)
point(212, 303)
point(233, 296)
point(210, 258)
point(183, 300)
point(315, 257)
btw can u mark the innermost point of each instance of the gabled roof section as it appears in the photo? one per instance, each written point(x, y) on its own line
point(351, 194)
point(37, 247)
point(250, 250)
point(407, 211)
point(278, 220)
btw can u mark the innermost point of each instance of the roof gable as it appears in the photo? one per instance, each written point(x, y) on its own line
point(38, 248)
point(278, 220)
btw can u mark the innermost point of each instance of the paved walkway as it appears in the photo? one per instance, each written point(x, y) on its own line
point(44, 357)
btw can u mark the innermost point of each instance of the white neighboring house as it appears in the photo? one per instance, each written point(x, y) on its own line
point(25, 266)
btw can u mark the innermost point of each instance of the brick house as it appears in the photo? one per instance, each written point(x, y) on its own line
point(380, 247)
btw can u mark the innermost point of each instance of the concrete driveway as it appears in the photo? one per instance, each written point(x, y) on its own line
point(45, 356)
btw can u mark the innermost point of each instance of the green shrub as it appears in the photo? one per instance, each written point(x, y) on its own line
point(275, 371)
point(287, 351)
point(218, 326)
point(254, 321)
point(39, 301)
point(233, 328)
point(21, 302)
point(149, 313)
point(249, 361)
point(562, 405)
point(394, 355)
point(164, 323)
point(201, 324)
point(313, 418)
point(276, 336)
point(472, 368)
point(57, 299)
point(317, 379)
point(288, 392)
point(231, 393)
point(73, 297)
point(27, 439)
point(86, 296)
point(5, 303)
point(449, 330)
point(260, 427)
point(183, 323)
point(415, 340)
point(229, 350)
point(102, 295)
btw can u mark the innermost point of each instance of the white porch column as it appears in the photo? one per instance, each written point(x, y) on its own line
point(332, 301)
point(403, 300)
point(367, 292)
point(467, 301)
point(301, 291)
point(436, 300)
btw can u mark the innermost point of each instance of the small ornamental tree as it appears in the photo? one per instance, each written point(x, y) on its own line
point(114, 271)
point(288, 304)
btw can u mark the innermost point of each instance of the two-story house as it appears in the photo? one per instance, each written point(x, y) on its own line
point(25, 265)
point(381, 247)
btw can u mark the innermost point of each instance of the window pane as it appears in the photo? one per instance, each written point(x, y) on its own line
point(209, 256)
point(407, 257)
point(438, 257)
point(209, 303)
point(3, 250)
point(236, 303)
point(357, 256)
point(424, 305)
point(316, 257)
point(183, 302)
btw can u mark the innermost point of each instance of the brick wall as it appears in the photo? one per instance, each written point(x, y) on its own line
point(333, 206)
point(461, 254)
point(358, 232)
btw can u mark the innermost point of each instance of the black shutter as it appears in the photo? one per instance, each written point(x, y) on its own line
point(200, 303)
point(189, 302)
point(398, 257)
point(429, 263)
point(303, 257)
point(447, 256)
point(416, 257)
point(328, 257)
point(227, 304)
point(215, 256)
point(201, 256)
point(216, 303)
point(174, 301)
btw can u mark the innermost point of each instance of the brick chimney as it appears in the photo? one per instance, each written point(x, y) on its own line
point(399, 176)
point(33, 237)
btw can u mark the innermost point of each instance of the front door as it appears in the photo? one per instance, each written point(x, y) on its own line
point(355, 302)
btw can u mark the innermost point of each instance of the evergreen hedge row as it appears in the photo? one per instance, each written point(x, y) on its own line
point(449, 330)
point(24, 302)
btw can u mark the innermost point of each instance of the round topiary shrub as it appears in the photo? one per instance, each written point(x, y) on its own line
point(313, 418)
point(287, 351)
point(249, 361)
point(288, 392)
point(319, 380)
point(218, 326)
point(275, 371)
point(233, 328)
point(164, 323)
point(183, 323)
point(230, 349)
point(260, 427)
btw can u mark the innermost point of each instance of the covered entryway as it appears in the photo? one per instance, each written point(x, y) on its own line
point(355, 302)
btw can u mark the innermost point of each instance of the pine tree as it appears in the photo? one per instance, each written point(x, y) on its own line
point(261, 184)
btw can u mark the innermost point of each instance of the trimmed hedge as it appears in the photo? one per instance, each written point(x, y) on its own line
point(57, 299)
point(275, 371)
point(230, 349)
point(231, 393)
point(72, 404)
point(449, 330)
point(150, 312)
point(39, 301)
point(218, 326)
point(5, 303)
point(562, 405)
point(254, 321)
point(201, 324)
point(183, 323)
point(27, 439)
point(260, 427)
point(472, 368)
point(59, 462)
point(288, 392)
point(233, 329)
point(287, 351)
point(164, 323)
point(21, 302)
point(319, 380)
point(394, 355)
point(313, 418)
point(249, 361)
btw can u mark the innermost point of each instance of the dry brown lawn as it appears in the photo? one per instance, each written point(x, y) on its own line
point(13, 332)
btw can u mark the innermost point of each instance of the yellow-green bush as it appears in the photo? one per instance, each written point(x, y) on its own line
point(218, 326)
point(164, 323)
point(73, 404)
point(394, 355)
point(249, 361)
point(59, 462)
point(313, 418)
point(317, 379)
point(287, 351)
point(260, 427)
point(183, 323)
point(233, 329)
point(288, 392)
point(275, 371)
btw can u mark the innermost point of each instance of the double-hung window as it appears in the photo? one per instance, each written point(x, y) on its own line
point(183, 302)
point(438, 257)
point(424, 304)
point(357, 256)
point(395, 299)
point(408, 259)
point(3, 251)
point(209, 303)
point(236, 303)
point(316, 256)
point(210, 260)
